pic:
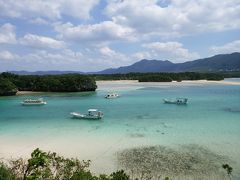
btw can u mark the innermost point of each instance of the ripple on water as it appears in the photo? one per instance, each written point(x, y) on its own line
point(232, 110)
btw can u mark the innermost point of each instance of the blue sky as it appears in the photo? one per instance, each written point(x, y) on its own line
point(93, 35)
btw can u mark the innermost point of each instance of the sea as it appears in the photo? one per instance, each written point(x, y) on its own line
point(138, 118)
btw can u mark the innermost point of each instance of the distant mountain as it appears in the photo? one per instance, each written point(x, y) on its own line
point(45, 72)
point(143, 66)
point(222, 62)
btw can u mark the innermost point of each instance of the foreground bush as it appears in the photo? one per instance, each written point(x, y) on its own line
point(6, 173)
point(50, 166)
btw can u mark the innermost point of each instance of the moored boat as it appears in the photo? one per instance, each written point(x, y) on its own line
point(177, 101)
point(33, 102)
point(112, 95)
point(92, 114)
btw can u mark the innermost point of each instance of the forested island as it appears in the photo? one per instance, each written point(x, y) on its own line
point(11, 83)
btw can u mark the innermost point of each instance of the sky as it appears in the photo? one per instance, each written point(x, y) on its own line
point(92, 35)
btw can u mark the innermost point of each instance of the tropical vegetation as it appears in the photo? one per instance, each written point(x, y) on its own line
point(47, 83)
point(50, 166)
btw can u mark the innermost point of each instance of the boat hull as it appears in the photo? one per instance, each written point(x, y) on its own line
point(174, 102)
point(83, 116)
point(111, 97)
point(34, 104)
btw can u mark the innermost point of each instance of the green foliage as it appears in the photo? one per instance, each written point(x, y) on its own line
point(7, 87)
point(119, 175)
point(50, 166)
point(56, 83)
point(6, 173)
point(228, 168)
point(167, 178)
point(47, 83)
point(83, 175)
point(155, 78)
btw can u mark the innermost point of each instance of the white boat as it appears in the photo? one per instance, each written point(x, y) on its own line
point(92, 114)
point(33, 102)
point(112, 95)
point(178, 101)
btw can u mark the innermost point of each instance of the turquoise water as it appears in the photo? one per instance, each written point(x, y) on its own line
point(211, 119)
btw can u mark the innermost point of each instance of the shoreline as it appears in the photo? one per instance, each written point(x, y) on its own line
point(185, 82)
point(135, 82)
point(19, 93)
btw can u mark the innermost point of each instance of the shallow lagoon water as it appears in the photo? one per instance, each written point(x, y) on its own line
point(138, 118)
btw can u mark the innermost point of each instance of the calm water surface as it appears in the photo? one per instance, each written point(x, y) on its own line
point(211, 119)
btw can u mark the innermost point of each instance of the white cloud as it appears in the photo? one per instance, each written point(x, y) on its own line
point(39, 21)
point(44, 57)
point(6, 55)
point(178, 18)
point(30, 9)
point(173, 51)
point(65, 59)
point(102, 32)
point(78, 8)
point(112, 58)
point(44, 60)
point(231, 47)
point(141, 55)
point(7, 34)
point(50, 9)
point(41, 42)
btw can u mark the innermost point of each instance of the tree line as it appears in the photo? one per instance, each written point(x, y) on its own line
point(11, 83)
point(160, 77)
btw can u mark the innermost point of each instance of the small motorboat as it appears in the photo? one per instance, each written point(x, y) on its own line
point(33, 102)
point(92, 114)
point(177, 101)
point(111, 96)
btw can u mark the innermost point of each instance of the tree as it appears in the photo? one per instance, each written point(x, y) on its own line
point(7, 87)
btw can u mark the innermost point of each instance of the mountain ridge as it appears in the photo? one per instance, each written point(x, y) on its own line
point(216, 63)
point(220, 62)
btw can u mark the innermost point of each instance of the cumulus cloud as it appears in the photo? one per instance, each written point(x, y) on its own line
point(102, 32)
point(177, 18)
point(7, 34)
point(41, 42)
point(51, 9)
point(39, 21)
point(173, 51)
point(231, 47)
point(6, 55)
point(30, 9)
point(78, 8)
point(43, 60)
point(141, 55)
point(113, 58)
point(66, 59)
